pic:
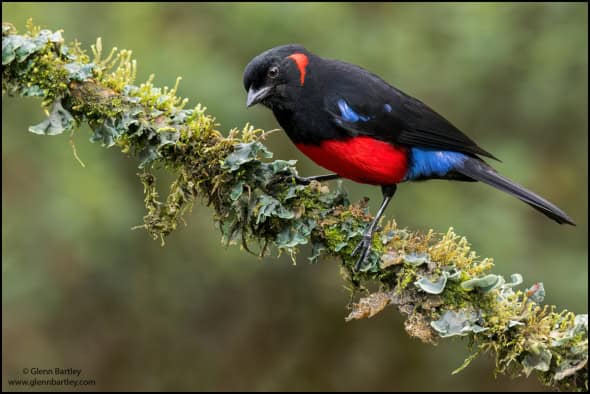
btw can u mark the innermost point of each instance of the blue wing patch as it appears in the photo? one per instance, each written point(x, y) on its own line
point(348, 113)
point(426, 162)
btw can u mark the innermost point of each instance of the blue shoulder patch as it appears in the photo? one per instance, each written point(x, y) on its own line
point(427, 162)
point(348, 113)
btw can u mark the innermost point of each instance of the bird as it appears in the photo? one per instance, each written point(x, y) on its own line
point(353, 123)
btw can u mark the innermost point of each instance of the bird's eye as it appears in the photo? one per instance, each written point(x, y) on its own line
point(273, 72)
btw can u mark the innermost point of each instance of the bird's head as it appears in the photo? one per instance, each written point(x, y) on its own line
point(276, 76)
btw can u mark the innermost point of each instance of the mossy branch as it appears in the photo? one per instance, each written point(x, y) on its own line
point(435, 280)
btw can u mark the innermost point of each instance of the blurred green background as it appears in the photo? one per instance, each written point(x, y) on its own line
point(80, 289)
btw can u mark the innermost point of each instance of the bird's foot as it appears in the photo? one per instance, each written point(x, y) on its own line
point(319, 178)
point(364, 248)
point(288, 179)
point(299, 180)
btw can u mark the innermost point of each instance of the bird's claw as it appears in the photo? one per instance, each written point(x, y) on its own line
point(364, 248)
point(282, 178)
point(301, 180)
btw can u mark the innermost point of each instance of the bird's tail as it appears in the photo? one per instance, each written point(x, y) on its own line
point(480, 171)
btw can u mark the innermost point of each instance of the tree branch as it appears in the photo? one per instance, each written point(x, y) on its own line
point(435, 280)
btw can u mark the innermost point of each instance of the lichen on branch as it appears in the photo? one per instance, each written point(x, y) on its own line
point(435, 280)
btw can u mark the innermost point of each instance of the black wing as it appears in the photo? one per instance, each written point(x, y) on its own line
point(386, 113)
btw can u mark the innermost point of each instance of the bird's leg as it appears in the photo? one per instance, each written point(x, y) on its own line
point(364, 246)
point(320, 178)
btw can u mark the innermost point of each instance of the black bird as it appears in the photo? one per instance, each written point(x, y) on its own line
point(355, 124)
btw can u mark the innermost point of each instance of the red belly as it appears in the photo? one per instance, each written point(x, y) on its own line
point(362, 159)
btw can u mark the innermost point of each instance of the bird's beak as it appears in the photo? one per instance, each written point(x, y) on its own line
point(257, 95)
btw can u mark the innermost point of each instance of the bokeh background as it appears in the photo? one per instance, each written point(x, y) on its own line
point(81, 290)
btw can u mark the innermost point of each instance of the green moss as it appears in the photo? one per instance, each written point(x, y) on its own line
point(38, 71)
point(94, 102)
point(334, 238)
point(406, 276)
point(455, 297)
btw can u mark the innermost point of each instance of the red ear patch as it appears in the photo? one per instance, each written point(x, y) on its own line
point(301, 61)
